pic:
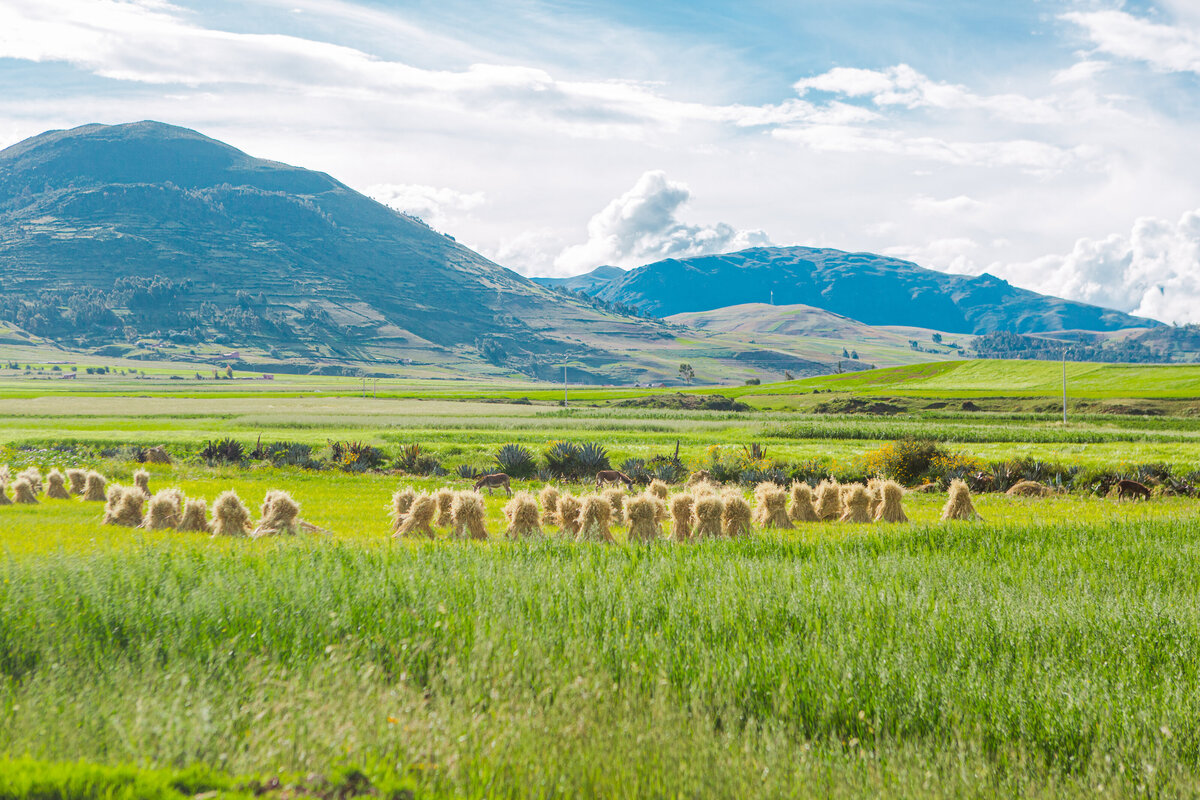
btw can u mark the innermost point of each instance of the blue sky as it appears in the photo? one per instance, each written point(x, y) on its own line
point(1049, 142)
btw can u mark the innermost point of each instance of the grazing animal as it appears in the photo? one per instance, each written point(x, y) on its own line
point(494, 481)
point(1128, 488)
point(613, 476)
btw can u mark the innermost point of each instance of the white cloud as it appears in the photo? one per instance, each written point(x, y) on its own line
point(961, 204)
point(641, 227)
point(948, 255)
point(1154, 271)
point(1167, 48)
point(531, 253)
point(1080, 71)
point(901, 85)
point(433, 204)
point(1026, 154)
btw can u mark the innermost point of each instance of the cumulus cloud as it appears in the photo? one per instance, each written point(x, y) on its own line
point(641, 226)
point(948, 255)
point(1166, 48)
point(433, 204)
point(1154, 271)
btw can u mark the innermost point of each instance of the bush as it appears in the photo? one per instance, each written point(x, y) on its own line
point(947, 467)
point(516, 461)
point(355, 456)
point(571, 461)
point(286, 454)
point(636, 469)
point(226, 451)
point(907, 461)
point(415, 461)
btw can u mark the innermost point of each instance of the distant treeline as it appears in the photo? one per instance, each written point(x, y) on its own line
point(1004, 344)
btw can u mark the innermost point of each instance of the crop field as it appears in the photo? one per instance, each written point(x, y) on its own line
point(1046, 651)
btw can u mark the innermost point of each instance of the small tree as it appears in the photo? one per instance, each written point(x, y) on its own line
point(845, 353)
point(788, 376)
point(687, 373)
point(229, 371)
point(854, 354)
point(937, 337)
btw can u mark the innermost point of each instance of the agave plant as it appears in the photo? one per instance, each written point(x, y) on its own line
point(225, 451)
point(636, 469)
point(562, 459)
point(593, 458)
point(545, 475)
point(668, 472)
point(515, 461)
point(468, 472)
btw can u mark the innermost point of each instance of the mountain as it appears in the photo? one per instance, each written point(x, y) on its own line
point(872, 289)
point(822, 335)
point(587, 282)
point(163, 239)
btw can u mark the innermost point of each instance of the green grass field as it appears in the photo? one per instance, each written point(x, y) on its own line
point(1046, 652)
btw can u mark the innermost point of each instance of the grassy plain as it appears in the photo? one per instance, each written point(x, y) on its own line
point(1047, 652)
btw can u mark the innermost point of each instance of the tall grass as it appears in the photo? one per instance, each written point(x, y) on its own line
point(921, 662)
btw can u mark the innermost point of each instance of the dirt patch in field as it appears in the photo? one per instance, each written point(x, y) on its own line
point(687, 402)
point(858, 405)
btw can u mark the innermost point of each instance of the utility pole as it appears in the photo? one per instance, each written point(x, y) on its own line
point(1064, 386)
point(564, 385)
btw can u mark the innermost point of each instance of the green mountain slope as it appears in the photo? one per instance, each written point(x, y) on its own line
point(872, 289)
point(156, 234)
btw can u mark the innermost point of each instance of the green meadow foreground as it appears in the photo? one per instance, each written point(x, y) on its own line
point(1050, 651)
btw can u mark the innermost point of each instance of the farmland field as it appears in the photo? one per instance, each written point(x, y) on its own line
point(1047, 651)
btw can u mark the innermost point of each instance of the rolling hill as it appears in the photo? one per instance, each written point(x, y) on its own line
point(872, 289)
point(151, 238)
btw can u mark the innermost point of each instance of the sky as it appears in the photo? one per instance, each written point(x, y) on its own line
point(1052, 143)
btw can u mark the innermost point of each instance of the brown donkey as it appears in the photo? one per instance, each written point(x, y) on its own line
point(613, 476)
point(494, 481)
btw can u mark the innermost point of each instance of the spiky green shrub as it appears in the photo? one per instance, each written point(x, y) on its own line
point(592, 459)
point(562, 459)
point(225, 451)
point(515, 461)
point(415, 461)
